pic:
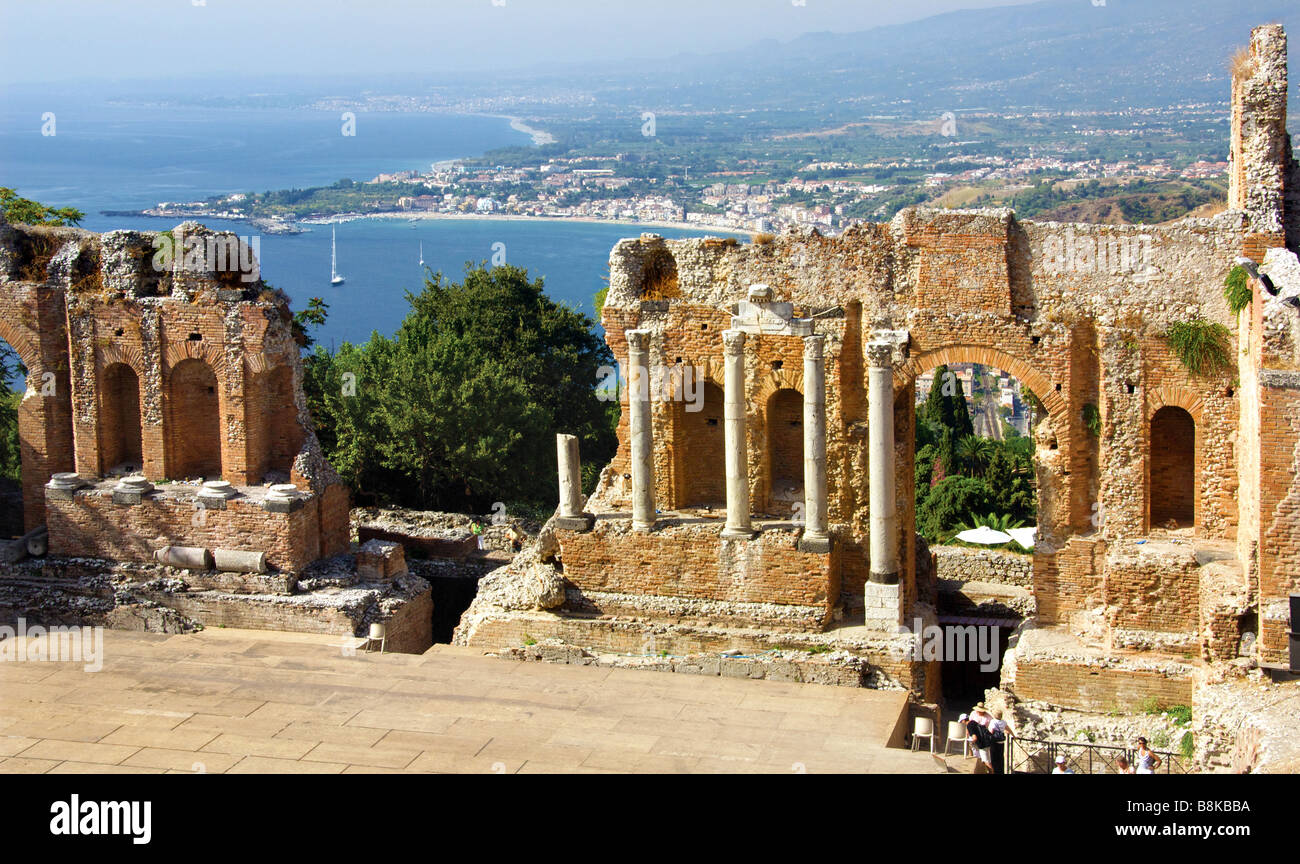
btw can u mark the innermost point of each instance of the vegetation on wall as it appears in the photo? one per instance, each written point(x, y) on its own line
point(460, 408)
point(1092, 420)
point(11, 373)
point(1202, 346)
point(1236, 289)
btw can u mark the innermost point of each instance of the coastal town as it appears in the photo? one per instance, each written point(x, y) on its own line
point(1089, 160)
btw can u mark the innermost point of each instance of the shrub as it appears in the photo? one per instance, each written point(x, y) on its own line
point(1236, 289)
point(1201, 345)
point(1092, 420)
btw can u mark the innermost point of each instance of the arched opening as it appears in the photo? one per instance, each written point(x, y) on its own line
point(785, 449)
point(120, 446)
point(1173, 469)
point(11, 465)
point(972, 464)
point(703, 464)
point(193, 421)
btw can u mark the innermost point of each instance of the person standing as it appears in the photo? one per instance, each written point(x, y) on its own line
point(981, 741)
point(998, 731)
point(1145, 759)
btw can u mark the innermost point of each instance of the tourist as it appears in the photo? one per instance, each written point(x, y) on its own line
point(1145, 758)
point(998, 730)
point(1122, 766)
point(1060, 766)
point(980, 714)
point(981, 741)
point(477, 530)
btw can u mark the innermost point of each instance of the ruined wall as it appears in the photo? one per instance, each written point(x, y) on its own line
point(161, 354)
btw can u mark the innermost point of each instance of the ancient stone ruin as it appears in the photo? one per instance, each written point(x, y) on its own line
point(168, 460)
point(775, 510)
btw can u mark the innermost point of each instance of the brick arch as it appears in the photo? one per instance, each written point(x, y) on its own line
point(127, 355)
point(178, 352)
point(21, 343)
point(778, 379)
point(1173, 396)
point(984, 355)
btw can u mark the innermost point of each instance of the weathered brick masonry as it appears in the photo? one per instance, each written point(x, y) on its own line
point(1198, 464)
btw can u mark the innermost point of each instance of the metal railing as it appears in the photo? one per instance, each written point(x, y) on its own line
point(1038, 756)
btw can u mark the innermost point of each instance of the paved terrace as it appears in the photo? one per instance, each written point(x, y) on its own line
point(257, 702)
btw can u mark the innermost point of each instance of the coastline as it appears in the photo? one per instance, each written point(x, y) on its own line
point(506, 217)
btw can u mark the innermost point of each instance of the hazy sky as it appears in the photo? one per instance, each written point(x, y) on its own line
point(79, 39)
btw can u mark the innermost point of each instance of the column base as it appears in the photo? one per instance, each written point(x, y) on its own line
point(738, 534)
point(884, 578)
point(582, 522)
point(815, 544)
point(643, 527)
point(882, 606)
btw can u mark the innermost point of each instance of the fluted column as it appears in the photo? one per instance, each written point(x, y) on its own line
point(642, 434)
point(814, 537)
point(735, 436)
point(880, 466)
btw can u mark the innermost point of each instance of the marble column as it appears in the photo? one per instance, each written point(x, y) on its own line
point(571, 516)
point(735, 437)
point(815, 538)
point(880, 464)
point(642, 434)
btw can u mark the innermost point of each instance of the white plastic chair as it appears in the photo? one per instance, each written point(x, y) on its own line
point(923, 727)
point(957, 732)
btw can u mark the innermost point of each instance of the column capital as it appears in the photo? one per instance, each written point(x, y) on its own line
point(880, 355)
point(638, 340)
point(814, 346)
point(733, 341)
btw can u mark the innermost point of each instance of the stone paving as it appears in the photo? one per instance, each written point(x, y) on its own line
point(260, 702)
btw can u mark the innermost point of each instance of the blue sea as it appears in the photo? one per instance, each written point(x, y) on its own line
point(106, 157)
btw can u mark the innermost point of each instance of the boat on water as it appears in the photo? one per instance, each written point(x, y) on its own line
point(421, 253)
point(335, 278)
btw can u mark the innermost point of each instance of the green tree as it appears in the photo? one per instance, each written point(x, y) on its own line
point(460, 408)
point(946, 405)
point(975, 454)
point(949, 503)
point(28, 212)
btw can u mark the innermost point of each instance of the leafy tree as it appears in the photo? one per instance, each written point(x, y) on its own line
point(1007, 478)
point(948, 503)
point(28, 212)
point(314, 315)
point(460, 408)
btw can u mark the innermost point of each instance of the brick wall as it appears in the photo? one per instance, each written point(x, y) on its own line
point(1098, 689)
point(693, 561)
point(91, 525)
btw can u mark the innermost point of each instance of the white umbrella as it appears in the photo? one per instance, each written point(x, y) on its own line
point(984, 535)
point(1024, 536)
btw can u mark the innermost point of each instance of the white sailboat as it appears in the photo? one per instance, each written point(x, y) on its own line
point(421, 253)
point(335, 278)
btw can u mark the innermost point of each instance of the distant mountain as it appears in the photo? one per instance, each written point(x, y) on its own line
point(1057, 54)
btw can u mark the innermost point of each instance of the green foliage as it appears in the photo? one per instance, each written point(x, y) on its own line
point(945, 407)
point(1180, 714)
point(11, 373)
point(599, 300)
point(997, 521)
point(1092, 420)
point(1236, 289)
point(313, 315)
point(1187, 744)
point(948, 502)
point(1202, 346)
point(461, 407)
point(28, 212)
point(1151, 705)
point(975, 453)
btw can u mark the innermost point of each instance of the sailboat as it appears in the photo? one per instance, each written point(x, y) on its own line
point(335, 278)
point(421, 253)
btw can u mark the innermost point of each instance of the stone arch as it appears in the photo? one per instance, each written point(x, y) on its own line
point(127, 355)
point(1042, 387)
point(1173, 396)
